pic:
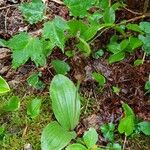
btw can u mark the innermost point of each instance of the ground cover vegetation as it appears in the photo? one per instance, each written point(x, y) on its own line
point(80, 78)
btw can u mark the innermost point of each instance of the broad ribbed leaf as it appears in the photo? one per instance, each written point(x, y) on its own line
point(144, 127)
point(76, 146)
point(4, 87)
point(55, 137)
point(109, 15)
point(65, 101)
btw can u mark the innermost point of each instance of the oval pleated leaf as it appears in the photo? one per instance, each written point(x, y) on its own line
point(65, 101)
point(76, 146)
point(55, 137)
point(4, 87)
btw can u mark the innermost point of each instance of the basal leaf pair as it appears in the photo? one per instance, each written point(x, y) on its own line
point(66, 108)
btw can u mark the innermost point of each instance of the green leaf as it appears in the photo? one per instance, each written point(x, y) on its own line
point(116, 57)
point(108, 131)
point(126, 124)
point(84, 47)
point(147, 85)
point(134, 43)
point(24, 47)
point(79, 8)
point(3, 43)
point(113, 146)
point(138, 62)
point(33, 108)
point(12, 105)
point(98, 54)
point(116, 90)
point(4, 87)
point(99, 78)
point(134, 27)
point(144, 127)
point(76, 146)
point(65, 101)
point(33, 80)
point(90, 138)
point(60, 67)
point(109, 15)
point(33, 12)
point(54, 30)
point(55, 137)
point(145, 26)
point(104, 4)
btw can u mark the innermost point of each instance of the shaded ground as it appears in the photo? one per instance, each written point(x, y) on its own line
point(98, 107)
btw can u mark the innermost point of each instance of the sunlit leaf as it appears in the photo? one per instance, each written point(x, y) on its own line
point(4, 87)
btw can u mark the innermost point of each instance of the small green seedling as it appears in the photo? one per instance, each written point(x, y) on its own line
point(138, 62)
point(100, 79)
point(4, 87)
point(60, 67)
point(108, 131)
point(147, 85)
point(12, 105)
point(116, 90)
point(34, 81)
point(34, 107)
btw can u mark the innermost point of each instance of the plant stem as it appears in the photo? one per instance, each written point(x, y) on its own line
point(124, 143)
point(145, 6)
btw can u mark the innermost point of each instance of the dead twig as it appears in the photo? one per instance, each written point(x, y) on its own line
point(58, 2)
point(2, 8)
point(133, 12)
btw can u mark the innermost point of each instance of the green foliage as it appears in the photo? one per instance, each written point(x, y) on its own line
point(60, 67)
point(33, 108)
point(90, 138)
point(116, 90)
point(113, 146)
point(145, 26)
point(4, 87)
point(76, 146)
point(144, 127)
point(78, 9)
point(54, 30)
point(33, 12)
point(108, 131)
point(98, 54)
point(65, 101)
point(134, 27)
point(33, 80)
point(12, 105)
point(127, 123)
point(109, 15)
point(147, 85)
point(99, 78)
point(116, 57)
point(55, 137)
point(24, 47)
point(138, 62)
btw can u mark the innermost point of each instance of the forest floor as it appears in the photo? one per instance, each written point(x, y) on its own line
point(97, 107)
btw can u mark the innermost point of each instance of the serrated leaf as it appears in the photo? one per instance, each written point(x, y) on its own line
point(108, 131)
point(24, 47)
point(33, 12)
point(55, 137)
point(60, 67)
point(4, 87)
point(144, 127)
point(33, 108)
point(65, 101)
point(54, 30)
point(126, 124)
point(84, 47)
point(76, 146)
point(90, 138)
point(134, 27)
point(33, 80)
point(109, 15)
point(145, 26)
point(12, 105)
point(116, 57)
point(99, 78)
point(79, 8)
